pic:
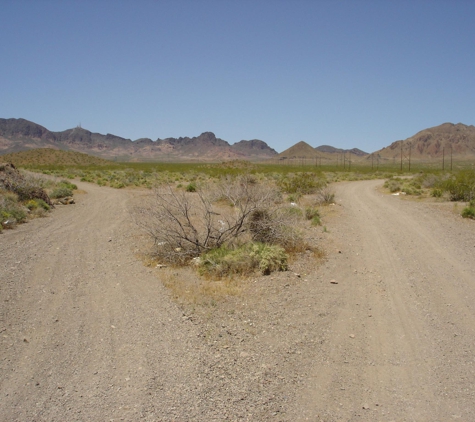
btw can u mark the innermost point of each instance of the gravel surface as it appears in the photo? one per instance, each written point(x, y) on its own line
point(382, 330)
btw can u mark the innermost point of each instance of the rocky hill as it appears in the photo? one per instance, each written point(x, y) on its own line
point(20, 135)
point(299, 150)
point(447, 139)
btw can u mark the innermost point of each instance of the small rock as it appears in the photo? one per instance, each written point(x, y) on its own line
point(333, 282)
point(352, 336)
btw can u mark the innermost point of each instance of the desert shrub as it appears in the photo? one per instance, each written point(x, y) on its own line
point(293, 212)
point(461, 187)
point(38, 212)
point(410, 190)
point(469, 210)
point(302, 183)
point(277, 226)
point(184, 225)
point(31, 205)
point(430, 181)
point(225, 261)
point(11, 211)
point(316, 221)
point(313, 214)
point(34, 204)
point(393, 185)
point(61, 192)
point(191, 187)
point(67, 184)
point(26, 186)
point(294, 197)
point(436, 193)
point(325, 196)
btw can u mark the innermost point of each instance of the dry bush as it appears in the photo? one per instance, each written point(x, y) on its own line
point(184, 225)
point(325, 196)
point(277, 226)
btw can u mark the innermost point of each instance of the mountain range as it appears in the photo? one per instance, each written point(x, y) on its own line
point(20, 134)
point(16, 135)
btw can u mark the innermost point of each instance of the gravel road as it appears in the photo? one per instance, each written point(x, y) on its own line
point(382, 330)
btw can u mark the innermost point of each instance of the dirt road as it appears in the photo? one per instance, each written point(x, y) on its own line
point(90, 334)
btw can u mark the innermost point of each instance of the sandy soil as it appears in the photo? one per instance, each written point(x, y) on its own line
point(383, 330)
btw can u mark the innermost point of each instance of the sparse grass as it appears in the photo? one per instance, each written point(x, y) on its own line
point(187, 289)
point(313, 214)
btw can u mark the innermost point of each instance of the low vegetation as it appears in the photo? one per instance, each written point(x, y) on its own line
point(52, 157)
point(243, 260)
point(457, 187)
point(219, 213)
point(469, 210)
point(235, 225)
point(25, 196)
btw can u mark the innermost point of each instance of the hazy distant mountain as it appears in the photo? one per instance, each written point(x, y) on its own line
point(448, 138)
point(303, 153)
point(20, 134)
point(332, 150)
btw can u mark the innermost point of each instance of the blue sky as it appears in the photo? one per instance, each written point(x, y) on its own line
point(356, 73)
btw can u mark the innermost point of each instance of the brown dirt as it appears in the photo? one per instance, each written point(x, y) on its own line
point(88, 333)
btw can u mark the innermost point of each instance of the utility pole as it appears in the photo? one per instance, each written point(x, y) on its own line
point(443, 158)
point(410, 148)
point(401, 157)
point(450, 157)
